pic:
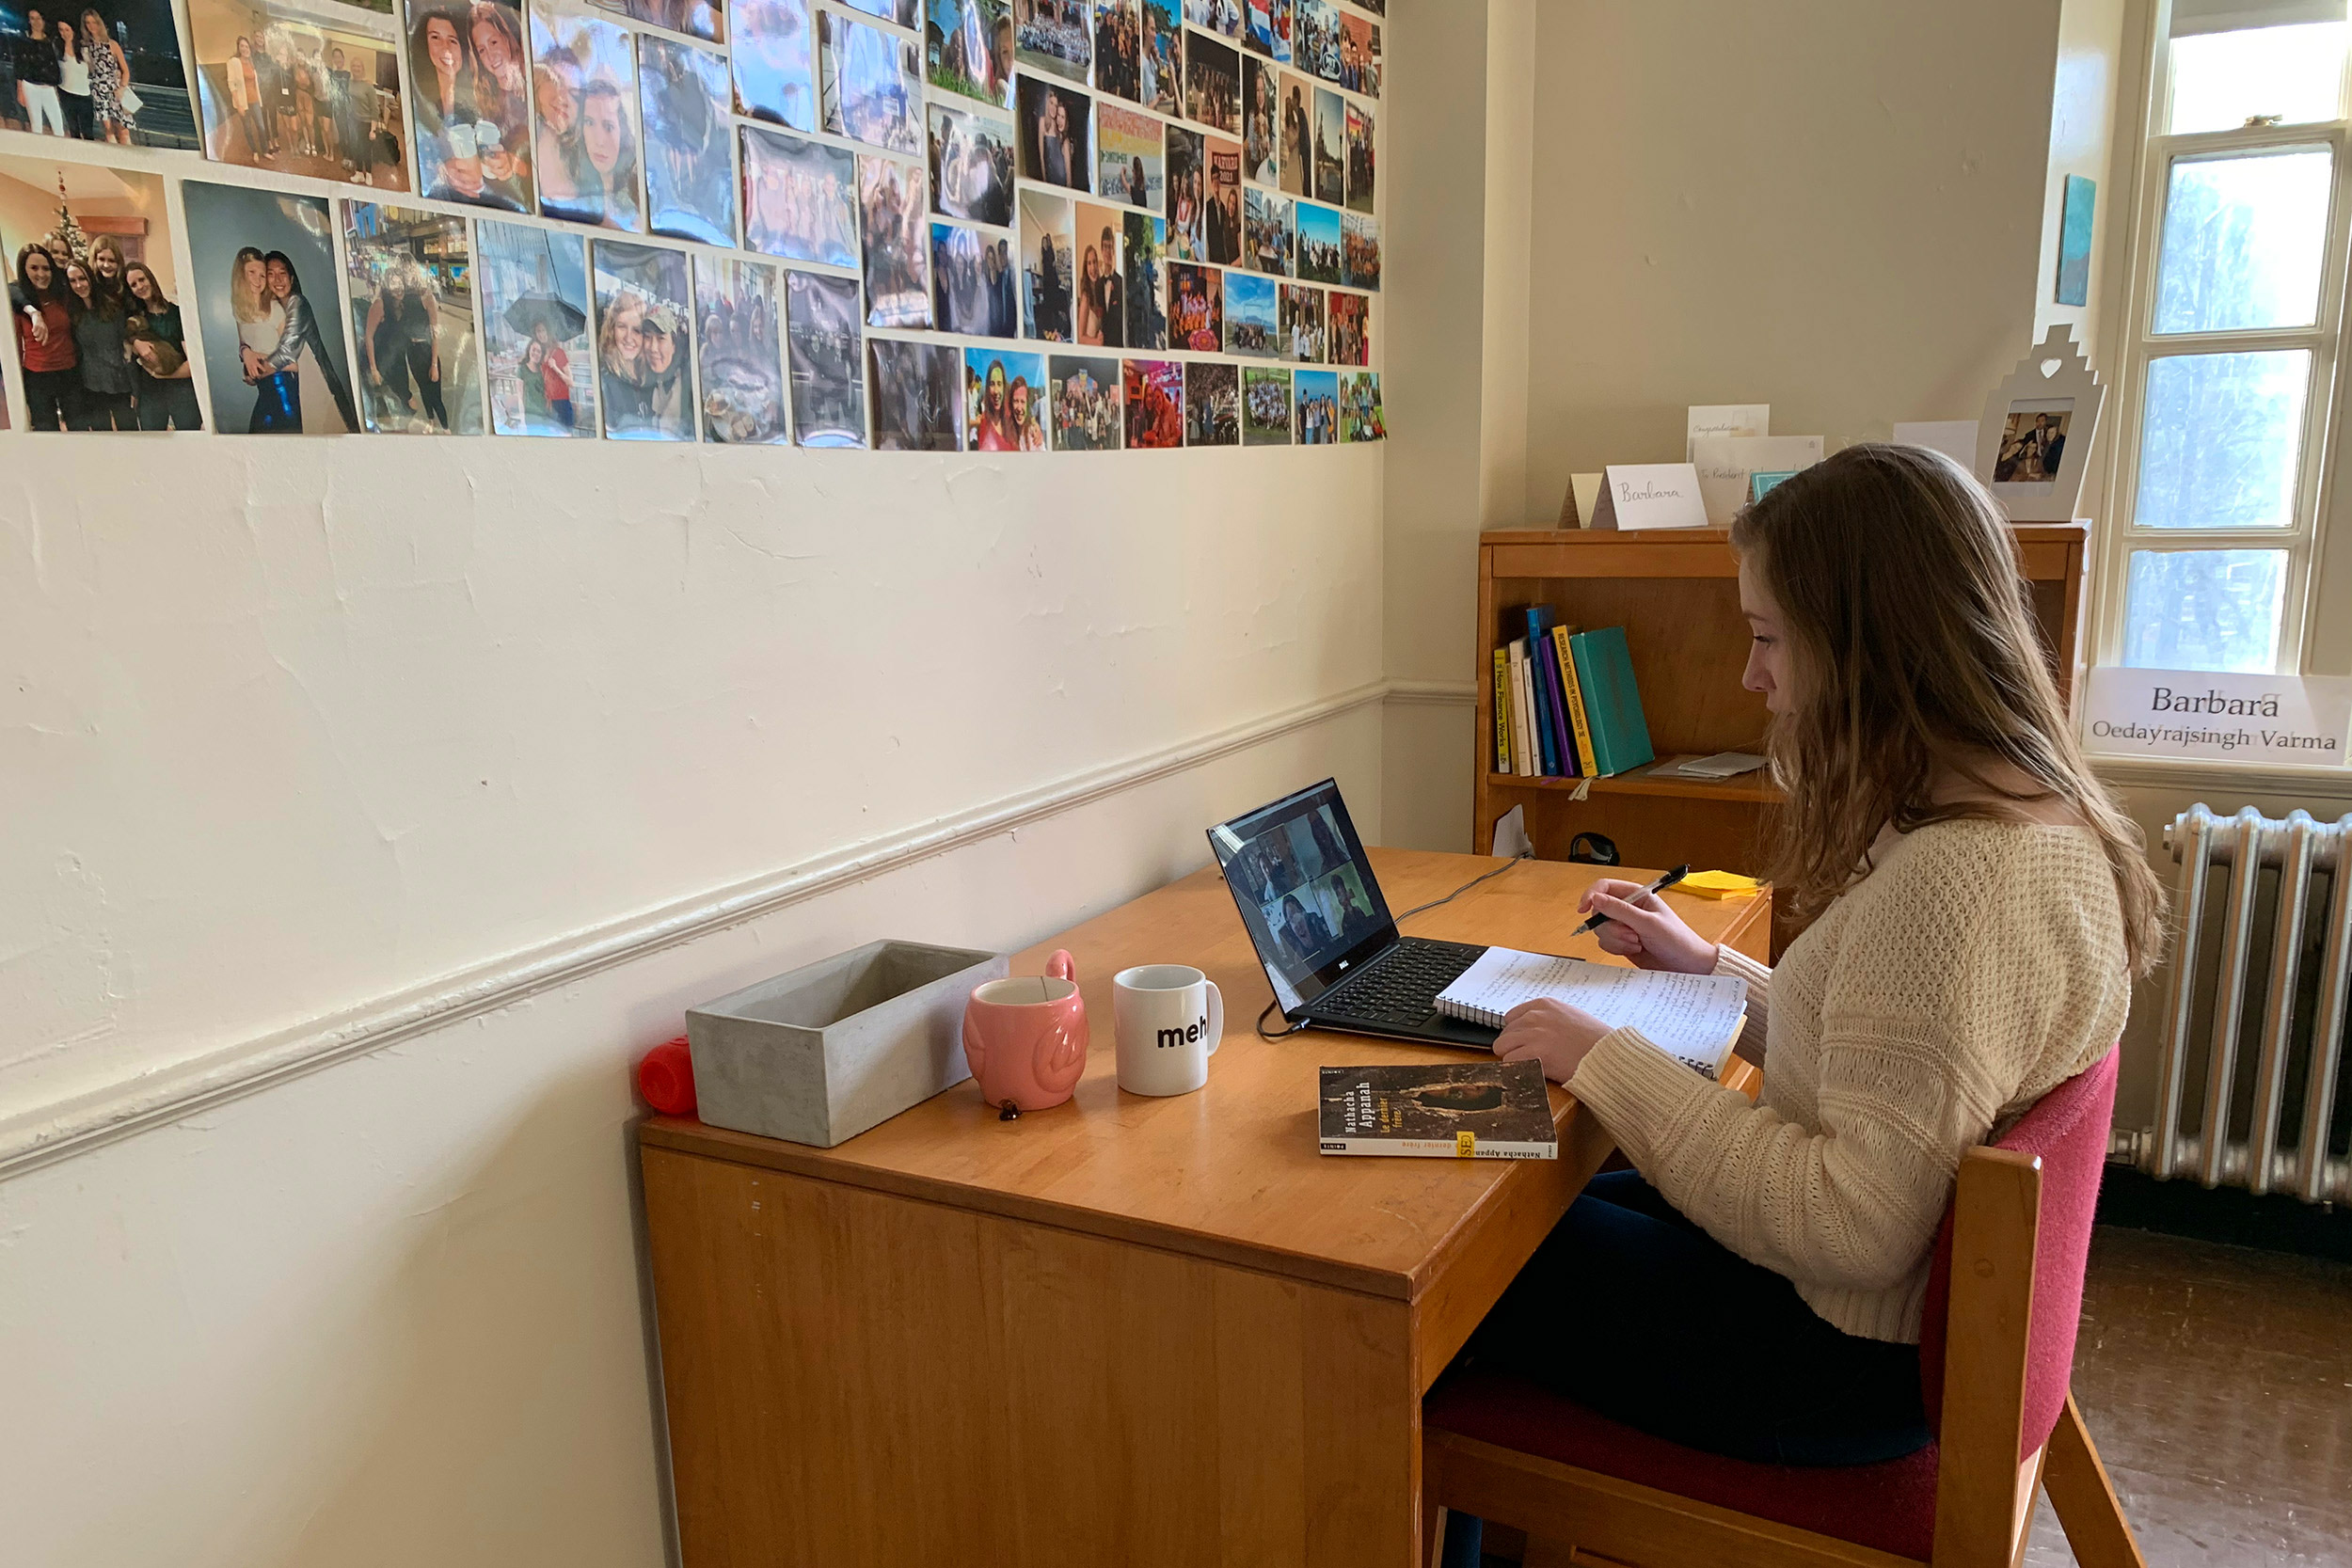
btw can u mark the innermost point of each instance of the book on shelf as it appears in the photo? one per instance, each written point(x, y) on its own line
point(1539, 617)
point(1485, 1110)
point(1581, 729)
point(1503, 711)
point(1542, 625)
point(1520, 705)
point(1612, 706)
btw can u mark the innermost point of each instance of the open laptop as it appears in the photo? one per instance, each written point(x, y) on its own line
point(1316, 913)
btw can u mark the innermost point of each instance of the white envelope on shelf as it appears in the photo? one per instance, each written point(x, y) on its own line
point(1724, 463)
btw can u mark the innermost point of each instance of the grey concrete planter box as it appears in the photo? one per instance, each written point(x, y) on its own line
point(820, 1055)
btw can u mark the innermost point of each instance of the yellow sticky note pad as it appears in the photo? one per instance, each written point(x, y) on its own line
point(1718, 884)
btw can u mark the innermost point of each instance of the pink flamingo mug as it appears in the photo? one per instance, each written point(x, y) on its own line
point(1026, 1038)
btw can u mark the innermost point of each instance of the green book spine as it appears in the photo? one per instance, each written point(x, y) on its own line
point(1604, 666)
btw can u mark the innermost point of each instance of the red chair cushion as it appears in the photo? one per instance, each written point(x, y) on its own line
point(1889, 1506)
point(2068, 1129)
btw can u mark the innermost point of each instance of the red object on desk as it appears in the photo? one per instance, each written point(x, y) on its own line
point(666, 1078)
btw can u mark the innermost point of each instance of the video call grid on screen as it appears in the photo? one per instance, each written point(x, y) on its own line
point(1298, 872)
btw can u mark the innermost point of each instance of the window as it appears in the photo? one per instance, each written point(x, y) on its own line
point(2232, 361)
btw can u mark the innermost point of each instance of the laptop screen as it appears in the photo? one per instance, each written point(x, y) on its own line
point(1306, 892)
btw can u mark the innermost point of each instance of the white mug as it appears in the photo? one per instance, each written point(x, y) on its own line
point(1170, 1019)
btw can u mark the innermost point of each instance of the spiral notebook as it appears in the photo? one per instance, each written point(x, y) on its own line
point(1695, 1018)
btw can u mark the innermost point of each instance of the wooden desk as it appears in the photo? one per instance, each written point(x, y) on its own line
point(1124, 1331)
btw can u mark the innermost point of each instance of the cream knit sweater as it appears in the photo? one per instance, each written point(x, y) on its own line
point(1976, 966)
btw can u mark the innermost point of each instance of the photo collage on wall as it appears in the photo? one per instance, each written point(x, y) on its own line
point(1019, 226)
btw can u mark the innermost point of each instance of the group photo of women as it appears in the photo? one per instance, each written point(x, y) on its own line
point(282, 94)
point(469, 90)
point(95, 71)
point(274, 354)
point(643, 359)
point(100, 341)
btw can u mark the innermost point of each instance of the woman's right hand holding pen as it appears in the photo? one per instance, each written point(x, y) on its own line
point(1642, 928)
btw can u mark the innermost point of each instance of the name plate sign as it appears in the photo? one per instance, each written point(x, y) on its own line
point(1649, 495)
point(2198, 713)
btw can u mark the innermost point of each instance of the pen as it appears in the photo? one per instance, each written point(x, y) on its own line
point(1669, 879)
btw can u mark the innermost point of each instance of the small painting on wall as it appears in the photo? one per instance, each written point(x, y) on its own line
point(2074, 257)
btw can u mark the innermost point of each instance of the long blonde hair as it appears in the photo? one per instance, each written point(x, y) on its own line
point(247, 303)
point(1913, 656)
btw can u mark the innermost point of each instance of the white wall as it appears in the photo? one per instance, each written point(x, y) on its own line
point(307, 743)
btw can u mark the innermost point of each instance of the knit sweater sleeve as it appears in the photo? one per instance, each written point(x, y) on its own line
point(1759, 979)
point(1928, 1003)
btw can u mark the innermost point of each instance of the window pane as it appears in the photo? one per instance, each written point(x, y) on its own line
point(2223, 432)
point(2242, 242)
point(2220, 80)
point(2204, 609)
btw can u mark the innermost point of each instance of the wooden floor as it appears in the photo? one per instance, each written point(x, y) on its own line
point(2218, 1383)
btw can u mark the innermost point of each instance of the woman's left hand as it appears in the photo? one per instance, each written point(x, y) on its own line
point(1550, 1033)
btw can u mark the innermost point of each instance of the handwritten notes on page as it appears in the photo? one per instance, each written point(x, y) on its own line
point(1693, 1018)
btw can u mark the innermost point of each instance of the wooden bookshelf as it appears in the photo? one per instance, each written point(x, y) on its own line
point(1676, 594)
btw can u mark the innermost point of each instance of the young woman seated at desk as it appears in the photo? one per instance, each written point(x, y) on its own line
point(1980, 906)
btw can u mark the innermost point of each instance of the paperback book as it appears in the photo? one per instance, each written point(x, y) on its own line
point(1477, 1111)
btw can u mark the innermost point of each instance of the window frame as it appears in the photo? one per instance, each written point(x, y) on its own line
point(2318, 462)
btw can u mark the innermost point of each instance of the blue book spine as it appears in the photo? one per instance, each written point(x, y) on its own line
point(1537, 615)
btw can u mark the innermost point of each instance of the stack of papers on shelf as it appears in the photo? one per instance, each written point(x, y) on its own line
point(1723, 764)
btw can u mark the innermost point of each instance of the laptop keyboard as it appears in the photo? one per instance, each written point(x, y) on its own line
point(1403, 987)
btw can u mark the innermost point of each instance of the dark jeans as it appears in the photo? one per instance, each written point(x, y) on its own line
point(167, 402)
point(1618, 1308)
point(106, 411)
point(54, 400)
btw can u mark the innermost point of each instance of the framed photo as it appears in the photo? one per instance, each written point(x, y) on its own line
point(2033, 441)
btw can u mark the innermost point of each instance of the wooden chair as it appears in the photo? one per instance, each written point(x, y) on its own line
point(1997, 1349)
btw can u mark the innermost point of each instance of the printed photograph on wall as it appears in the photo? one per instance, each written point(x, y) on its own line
point(1300, 323)
point(1266, 28)
point(1359, 55)
point(2033, 441)
point(967, 48)
point(265, 297)
point(1003, 401)
point(690, 166)
point(1223, 219)
point(1152, 391)
point(740, 348)
point(972, 160)
point(890, 215)
point(293, 96)
point(1211, 83)
point(468, 97)
point(409, 276)
point(1218, 16)
point(1099, 308)
point(870, 85)
point(645, 365)
point(102, 70)
point(585, 158)
point(973, 289)
point(1130, 152)
point(1266, 407)
point(1048, 241)
point(1361, 419)
point(1261, 123)
point(1317, 393)
point(1082, 401)
point(1053, 36)
point(1295, 136)
point(1359, 159)
point(824, 365)
point(1250, 329)
point(1187, 197)
point(1359, 251)
point(1056, 130)
point(1144, 247)
point(800, 199)
point(1195, 309)
point(918, 395)
point(102, 328)
point(1265, 230)
point(534, 320)
point(1318, 230)
point(1316, 41)
point(1163, 68)
point(1119, 49)
point(1351, 329)
point(774, 62)
point(1211, 405)
point(1329, 153)
point(900, 11)
point(701, 19)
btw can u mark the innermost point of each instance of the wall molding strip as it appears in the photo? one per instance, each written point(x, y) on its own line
point(46, 1133)
point(1434, 693)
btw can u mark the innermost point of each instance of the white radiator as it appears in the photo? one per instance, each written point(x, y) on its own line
point(2200, 1129)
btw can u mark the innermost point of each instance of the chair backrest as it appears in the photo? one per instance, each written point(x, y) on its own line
point(2067, 1128)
